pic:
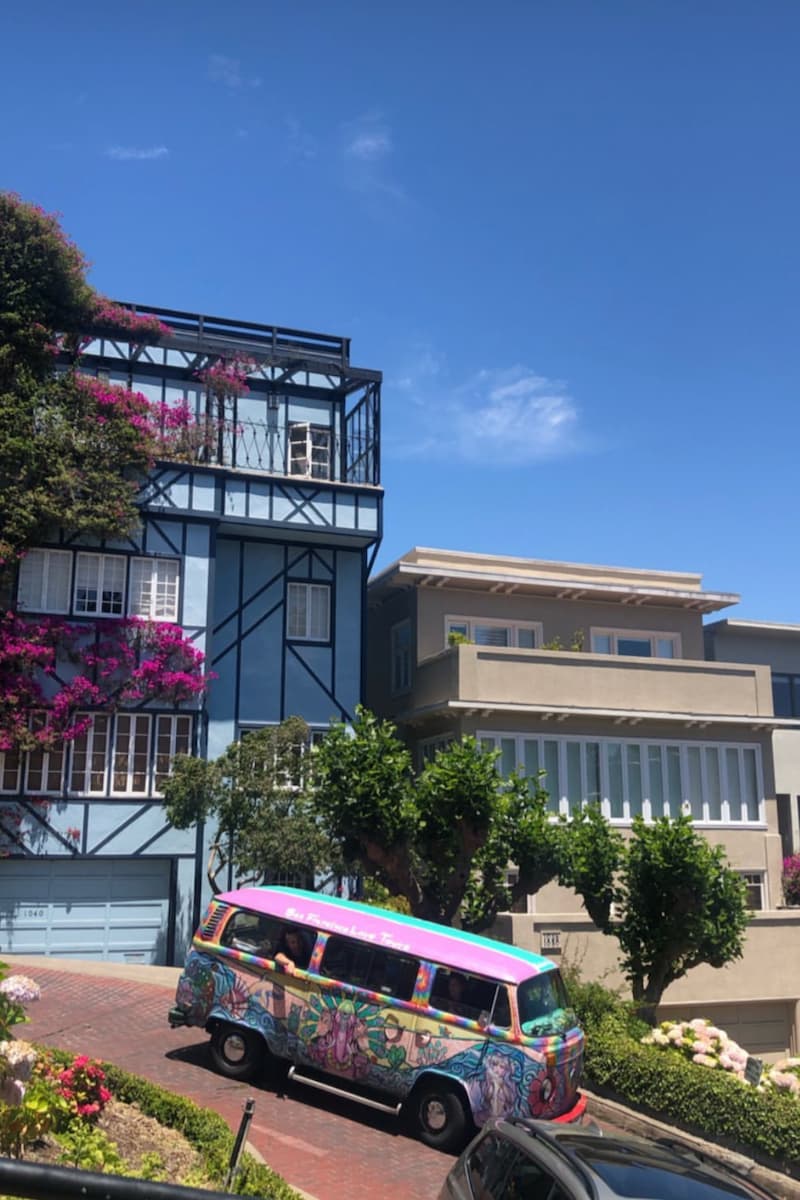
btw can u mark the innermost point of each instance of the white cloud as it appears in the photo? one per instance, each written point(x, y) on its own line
point(509, 417)
point(369, 145)
point(136, 153)
point(228, 72)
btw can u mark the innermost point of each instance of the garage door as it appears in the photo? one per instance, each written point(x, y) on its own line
point(762, 1027)
point(115, 909)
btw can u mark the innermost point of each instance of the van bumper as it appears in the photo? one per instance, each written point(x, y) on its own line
point(177, 1016)
point(573, 1114)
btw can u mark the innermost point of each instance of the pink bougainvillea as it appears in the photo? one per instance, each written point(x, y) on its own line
point(228, 376)
point(109, 664)
point(143, 327)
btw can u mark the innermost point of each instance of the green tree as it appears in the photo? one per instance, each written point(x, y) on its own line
point(443, 838)
point(265, 821)
point(71, 452)
point(667, 896)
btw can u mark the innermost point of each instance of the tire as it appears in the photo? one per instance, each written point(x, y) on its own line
point(236, 1052)
point(440, 1117)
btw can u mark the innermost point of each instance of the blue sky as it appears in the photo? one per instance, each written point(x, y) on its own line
point(566, 231)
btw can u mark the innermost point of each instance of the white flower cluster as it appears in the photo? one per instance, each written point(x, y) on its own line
point(19, 989)
point(17, 1060)
point(785, 1076)
point(702, 1042)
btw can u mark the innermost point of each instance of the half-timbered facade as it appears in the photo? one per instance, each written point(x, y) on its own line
point(256, 538)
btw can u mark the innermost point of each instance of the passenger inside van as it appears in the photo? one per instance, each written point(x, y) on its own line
point(294, 951)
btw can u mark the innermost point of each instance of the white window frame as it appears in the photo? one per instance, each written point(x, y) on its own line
point(643, 635)
point(314, 442)
point(729, 815)
point(55, 759)
point(496, 623)
point(430, 747)
point(91, 737)
point(8, 758)
point(149, 575)
point(137, 721)
point(400, 658)
point(104, 565)
point(170, 723)
point(48, 558)
point(756, 879)
point(294, 635)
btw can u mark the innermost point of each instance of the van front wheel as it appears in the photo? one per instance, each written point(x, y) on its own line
point(236, 1052)
point(440, 1117)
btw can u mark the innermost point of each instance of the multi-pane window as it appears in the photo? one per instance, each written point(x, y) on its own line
point(100, 584)
point(712, 782)
point(89, 758)
point(754, 883)
point(308, 616)
point(173, 736)
point(44, 581)
point(45, 767)
point(131, 754)
point(431, 747)
point(10, 762)
point(401, 656)
point(154, 588)
point(786, 695)
point(526, 635)
point(636, 643)
point(309, 450)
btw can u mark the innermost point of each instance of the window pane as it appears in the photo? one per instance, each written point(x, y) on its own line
point(713, 783)
point(656, 781)
point(574, 782)
point(634, 764)
point(87, 583)
point(551, 780)
point(508, 756)
point(113, 590)
point(695, 782)
point(665, 647)
point(751, 798)
point(734, 783)
point(296, 624)
point(9, 770)
point(492, 635)
point(593, 772)
point(674, 789)
point(796, 695)
point(318, 614)
point(601, 643)
point(781, 695)
point(637, 647)
point(615, 779)
point(526, 639)
point(460, 627)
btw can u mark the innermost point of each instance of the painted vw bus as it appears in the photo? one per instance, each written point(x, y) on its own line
point(409, 1017)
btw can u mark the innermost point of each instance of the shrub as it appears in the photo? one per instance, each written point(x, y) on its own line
point(762, 1123)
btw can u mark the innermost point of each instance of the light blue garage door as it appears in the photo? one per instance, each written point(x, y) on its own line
point(115, 909)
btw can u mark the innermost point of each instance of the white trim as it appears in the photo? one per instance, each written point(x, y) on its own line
point(647, 763)
point(38, 598)
point(176, 742)
point(308, 590)
point(634, 715)
point(154, 588)
point(757, 878)
point(91, 743)
point(653, 636)
point(513, 627)
point(309, 449)
point(126, 763)
point(103, 564)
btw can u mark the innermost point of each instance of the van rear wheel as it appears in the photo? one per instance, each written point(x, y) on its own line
point(237, 1052)
point(440, 1116)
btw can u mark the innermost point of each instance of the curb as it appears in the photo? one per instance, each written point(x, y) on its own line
point(631, 1121)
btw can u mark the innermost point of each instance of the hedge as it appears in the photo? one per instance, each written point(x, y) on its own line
point(765, 1125)
point(206, 1131)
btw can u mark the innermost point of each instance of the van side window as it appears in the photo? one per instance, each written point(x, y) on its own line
point(369, 967)
point(468, 996)
point(251, 933)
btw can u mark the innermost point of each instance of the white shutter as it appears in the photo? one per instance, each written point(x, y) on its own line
point(44, 577)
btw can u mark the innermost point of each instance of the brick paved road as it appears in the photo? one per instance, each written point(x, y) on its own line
point(331, 1148)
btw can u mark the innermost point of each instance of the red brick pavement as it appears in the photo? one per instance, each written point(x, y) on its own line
point(333, 1149)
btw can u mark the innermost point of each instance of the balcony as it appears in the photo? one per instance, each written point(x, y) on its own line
point(556, 683)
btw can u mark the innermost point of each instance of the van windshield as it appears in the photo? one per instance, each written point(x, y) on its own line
point(544, 1005)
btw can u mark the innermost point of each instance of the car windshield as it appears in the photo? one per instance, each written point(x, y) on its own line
point(544, 1005)
point(655, 1176)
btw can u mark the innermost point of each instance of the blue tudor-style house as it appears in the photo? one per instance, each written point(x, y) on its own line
point(258, 543)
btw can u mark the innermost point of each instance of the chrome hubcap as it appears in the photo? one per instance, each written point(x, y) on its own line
point(234, 1048)
point(435, 1115)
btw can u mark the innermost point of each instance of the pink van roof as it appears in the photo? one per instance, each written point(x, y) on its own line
point(436, 943)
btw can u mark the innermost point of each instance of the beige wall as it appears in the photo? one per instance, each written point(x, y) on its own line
point(563, 678)
point(559, 618)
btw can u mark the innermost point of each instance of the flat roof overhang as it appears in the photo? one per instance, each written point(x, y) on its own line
point(619, 716)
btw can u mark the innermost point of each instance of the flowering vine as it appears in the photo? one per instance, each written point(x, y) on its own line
point(140, 327)
point(111, 664)
point(228, 376)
